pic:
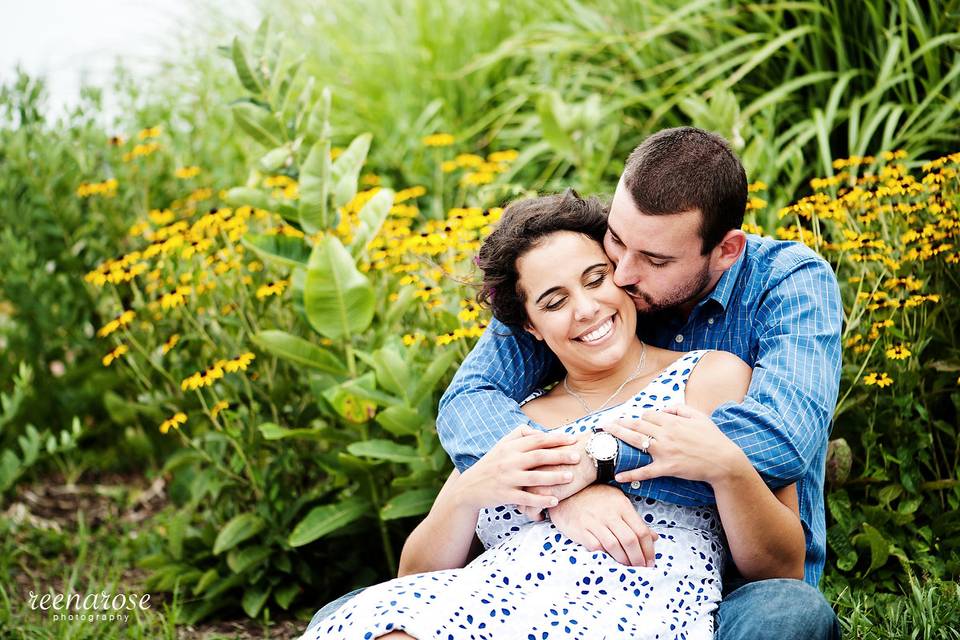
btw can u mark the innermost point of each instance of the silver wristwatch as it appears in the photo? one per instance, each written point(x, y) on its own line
point(603, 449)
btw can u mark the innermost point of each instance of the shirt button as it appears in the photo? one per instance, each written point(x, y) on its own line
point(710, 321)
point(679, 338)
point(635, 484)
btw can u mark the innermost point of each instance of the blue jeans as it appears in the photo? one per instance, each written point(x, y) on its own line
point(785, 609)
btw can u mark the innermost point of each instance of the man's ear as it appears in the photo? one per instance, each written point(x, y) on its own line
point(729, 249)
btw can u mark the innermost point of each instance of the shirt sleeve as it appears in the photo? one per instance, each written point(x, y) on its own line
point(481, 405)
point(785, 417)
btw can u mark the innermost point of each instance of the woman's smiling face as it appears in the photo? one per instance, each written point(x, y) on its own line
point(572, 303)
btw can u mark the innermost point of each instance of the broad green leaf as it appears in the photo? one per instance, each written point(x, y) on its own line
point(840, 542)
point(205, 581)
point(240, 528)
point(245, 72)
point(345, 170)
point(284, 595)
point(879, 546)
point(410, 503)
point(400, 420)
point(384, 450)
point(278, 248)
point(239, 560)
point(258, 123)
point(548, 107)
point(392, 372)
point(271, 431)
point(239, 196)
point(177, 531)
point(437, 369)
point(253, 598)
point(372, 216)
point(347, 401)
point(260, 38)
point(274, 159)
point(314, 188)
point(338, 298)
point(327, 519)
point(296, 349)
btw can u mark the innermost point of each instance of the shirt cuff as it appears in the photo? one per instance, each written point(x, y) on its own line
point(629, 458)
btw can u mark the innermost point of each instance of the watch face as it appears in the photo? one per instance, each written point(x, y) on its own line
point(602, 447)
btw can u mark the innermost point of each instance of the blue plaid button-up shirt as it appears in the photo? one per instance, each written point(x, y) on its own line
point(778, 308)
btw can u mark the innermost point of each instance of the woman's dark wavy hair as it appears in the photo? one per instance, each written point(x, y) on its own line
point(523, 226)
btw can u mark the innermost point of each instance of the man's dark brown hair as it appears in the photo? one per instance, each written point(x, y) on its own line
point(523, 225)
point(682, 169)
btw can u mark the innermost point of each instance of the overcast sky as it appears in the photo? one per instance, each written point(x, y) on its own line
point(71, 40)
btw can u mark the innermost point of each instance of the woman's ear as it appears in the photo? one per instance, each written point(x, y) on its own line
point(532, 330)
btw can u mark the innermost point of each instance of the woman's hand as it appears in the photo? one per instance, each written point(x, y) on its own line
point(683, 442)
point(602, 518)
point(503, 475)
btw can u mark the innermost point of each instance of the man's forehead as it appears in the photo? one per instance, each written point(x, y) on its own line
point(644, 232)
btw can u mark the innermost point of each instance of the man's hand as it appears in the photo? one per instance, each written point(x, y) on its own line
point(602, 518)
point(683, 442)
point(584, 474)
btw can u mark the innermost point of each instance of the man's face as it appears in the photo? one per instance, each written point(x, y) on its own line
point(657, 258)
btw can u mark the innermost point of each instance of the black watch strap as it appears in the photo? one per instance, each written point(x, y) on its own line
point(605, 471)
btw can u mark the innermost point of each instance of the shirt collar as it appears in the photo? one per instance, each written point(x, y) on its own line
point(724, 289)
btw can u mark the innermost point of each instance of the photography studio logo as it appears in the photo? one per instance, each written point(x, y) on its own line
point(90, 607)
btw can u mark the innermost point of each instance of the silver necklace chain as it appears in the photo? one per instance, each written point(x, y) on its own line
point(633, 376)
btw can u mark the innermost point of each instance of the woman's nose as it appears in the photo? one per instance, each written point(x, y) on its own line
point(587, 308)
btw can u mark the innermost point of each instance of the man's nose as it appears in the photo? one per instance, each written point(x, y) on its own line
point(627, 272)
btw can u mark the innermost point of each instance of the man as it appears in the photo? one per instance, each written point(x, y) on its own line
point(699, 283)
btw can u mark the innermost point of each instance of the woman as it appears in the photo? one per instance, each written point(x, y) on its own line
point(545, 272)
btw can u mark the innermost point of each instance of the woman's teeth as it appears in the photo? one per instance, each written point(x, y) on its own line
point(599, 332)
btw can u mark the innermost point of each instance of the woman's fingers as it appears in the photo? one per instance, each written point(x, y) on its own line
point(547, 458)
point(528, 499)
point(540, 440)
point(544, 478)
point(652, 470)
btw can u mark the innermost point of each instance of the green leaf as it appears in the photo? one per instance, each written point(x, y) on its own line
point(410, 503)
point(177, 531)
point(550, 108)
point(840, 542)
point(327, 519)
point(253, 598)
point(338, 299)
point(879, 546)
point(400, 420)
point(205, 581)
point(313, 188)
point(384, 450)
point(295, 349)
point(245, 72)
point(347, 399)
point(271, 431)
point(239, 560)
point(258, 123)
point(285, 594)
point(428, 381)
point(274, 159)
point(345, 170)
point(240, 528)
point(240, 196)
point(278, 248)
point(372, 216)
point(392, 371)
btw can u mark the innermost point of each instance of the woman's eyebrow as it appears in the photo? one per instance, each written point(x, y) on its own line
point(547, 292)
point(585, 271)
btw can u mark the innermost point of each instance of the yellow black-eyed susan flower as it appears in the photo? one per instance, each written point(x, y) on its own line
point(173, 422)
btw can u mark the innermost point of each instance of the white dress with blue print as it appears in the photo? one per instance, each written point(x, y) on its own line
point(534, 583)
